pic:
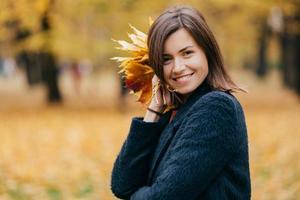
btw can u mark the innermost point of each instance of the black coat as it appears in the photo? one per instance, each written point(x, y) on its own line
point(201, 154)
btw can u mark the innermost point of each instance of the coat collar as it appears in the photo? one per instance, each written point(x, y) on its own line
point(183, 109)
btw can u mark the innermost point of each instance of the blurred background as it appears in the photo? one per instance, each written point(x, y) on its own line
point(64, 113)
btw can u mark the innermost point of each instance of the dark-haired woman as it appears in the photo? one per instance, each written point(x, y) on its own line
point(199, 150)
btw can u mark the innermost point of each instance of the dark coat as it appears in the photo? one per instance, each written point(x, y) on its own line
point(201, 154)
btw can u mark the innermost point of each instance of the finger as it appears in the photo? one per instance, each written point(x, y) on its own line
point(170, 98)
point(167, 97)
point(159, 95)
point(164, 99)
point(156, 97)
point(155, 80)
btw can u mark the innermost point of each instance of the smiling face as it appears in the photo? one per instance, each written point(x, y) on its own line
point(185, 64)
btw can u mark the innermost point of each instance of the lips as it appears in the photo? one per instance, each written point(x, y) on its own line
point(183, 77)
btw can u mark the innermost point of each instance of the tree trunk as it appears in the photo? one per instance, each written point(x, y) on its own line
point(50, 76)
point(290, 53)
point(261, 69)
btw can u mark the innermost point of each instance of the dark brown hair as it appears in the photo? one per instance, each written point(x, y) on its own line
point(193, 21)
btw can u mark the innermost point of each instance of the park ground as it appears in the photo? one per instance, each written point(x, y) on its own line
point(67, 151)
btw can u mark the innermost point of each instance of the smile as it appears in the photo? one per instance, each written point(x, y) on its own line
point(183, 77)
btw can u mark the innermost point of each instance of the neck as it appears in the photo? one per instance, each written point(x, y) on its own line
point(186, 96)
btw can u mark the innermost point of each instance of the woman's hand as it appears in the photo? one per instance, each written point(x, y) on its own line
point(160, 100)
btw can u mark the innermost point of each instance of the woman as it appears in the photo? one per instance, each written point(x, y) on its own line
point(199, 150)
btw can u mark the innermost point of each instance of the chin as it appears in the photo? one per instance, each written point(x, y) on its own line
point(185, 91)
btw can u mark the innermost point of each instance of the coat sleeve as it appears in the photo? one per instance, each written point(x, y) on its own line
point(131, 167)
point(207, 141)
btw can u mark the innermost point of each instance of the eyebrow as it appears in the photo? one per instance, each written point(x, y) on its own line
point(185, 48)
point(181, 50)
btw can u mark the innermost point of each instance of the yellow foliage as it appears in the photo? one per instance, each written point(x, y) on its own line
point(135, 69)
point(82, 29)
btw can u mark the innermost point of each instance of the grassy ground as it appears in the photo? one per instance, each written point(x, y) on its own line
point(67, 152)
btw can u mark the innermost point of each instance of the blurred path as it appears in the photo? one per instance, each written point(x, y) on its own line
point(96, 91)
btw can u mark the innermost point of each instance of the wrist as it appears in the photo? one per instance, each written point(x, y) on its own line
point(158, 108)
point(159, 113)
point(151, 116)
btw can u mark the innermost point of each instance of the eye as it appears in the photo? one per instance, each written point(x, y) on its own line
point(167, 59)
point(187, 53)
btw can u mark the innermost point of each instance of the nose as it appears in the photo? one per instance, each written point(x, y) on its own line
point(178, 66)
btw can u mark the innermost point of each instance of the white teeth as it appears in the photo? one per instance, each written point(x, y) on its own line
point(183, 78)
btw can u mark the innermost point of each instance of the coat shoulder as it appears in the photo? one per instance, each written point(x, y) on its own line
point(218, 99)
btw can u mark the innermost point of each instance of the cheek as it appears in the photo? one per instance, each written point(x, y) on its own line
point(203, 72)
point(167, 72)
point(200, 64)
point(204, 68)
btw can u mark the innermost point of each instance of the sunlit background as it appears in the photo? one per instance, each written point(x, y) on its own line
point(64, 113)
